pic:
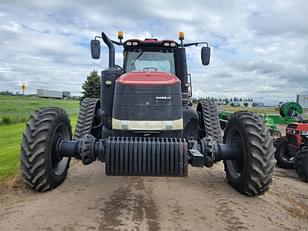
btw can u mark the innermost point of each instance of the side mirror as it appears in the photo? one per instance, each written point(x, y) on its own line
point(95, 49)
point(205, 55)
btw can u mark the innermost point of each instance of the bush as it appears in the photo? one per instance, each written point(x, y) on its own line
point(6, 120)
point(6, 93)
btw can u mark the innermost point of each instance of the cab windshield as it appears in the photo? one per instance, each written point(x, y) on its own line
point(150, 61)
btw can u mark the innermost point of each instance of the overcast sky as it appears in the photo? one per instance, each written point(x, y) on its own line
point(259, 48)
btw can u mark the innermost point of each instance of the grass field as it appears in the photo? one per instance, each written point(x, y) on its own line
point(10, 135)
point(15, 109)
point(261, 110)
point(18, 109)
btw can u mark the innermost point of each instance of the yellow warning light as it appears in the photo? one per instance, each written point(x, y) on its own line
point(181, 35)
point(120, 35)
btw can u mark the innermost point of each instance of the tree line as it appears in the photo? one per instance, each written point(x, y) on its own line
point(225, 100)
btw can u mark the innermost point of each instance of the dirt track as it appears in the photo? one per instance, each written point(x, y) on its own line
point(89, 200)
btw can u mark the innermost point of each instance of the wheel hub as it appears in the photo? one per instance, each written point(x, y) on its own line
point(58, 162)
point(236, 167)
point(286, 155)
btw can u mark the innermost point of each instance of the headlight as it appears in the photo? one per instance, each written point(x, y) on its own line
point(304, 133)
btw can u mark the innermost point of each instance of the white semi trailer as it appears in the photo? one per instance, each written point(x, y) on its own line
point(49, 94)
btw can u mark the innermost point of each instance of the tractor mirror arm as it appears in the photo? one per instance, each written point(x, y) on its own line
point(114, 42)
point(110, 46)
point(195, 44)
point(117, 43)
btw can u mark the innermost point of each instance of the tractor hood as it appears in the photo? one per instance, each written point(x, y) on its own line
point(147, 101)
point(148, 78)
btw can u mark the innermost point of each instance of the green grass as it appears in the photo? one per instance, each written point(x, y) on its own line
point(10, 139)
point(19, 108)
point(16, 109)
point(261, 110)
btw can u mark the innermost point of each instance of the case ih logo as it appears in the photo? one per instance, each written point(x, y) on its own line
point(163, 97)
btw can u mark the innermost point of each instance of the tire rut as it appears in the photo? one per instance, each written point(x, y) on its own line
point(130, 206)
point(226, 210)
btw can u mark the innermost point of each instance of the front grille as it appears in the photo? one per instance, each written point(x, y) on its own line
point(292, 139)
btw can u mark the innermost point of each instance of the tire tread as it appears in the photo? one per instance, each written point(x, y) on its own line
point(260, 143)
point(85, 117)
point(34, 147)
point(209, 112)
point(301, 164)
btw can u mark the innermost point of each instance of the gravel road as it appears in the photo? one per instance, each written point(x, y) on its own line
point(89, 200)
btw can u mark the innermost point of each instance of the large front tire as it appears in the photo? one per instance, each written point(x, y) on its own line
point(252, 173)
point(41, 168)
point(301, 164)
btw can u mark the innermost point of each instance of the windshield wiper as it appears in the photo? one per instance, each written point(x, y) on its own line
point(137, 57)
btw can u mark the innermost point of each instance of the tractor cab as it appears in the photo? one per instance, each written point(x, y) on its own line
point(153, 55)
point(149, 55)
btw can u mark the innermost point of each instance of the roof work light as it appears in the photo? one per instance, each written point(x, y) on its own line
point(120, 35)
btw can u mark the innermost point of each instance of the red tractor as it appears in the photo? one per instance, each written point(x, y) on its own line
point(292, 149)
point(144, 124)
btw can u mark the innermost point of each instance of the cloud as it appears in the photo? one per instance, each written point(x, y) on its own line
point(259, 48)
